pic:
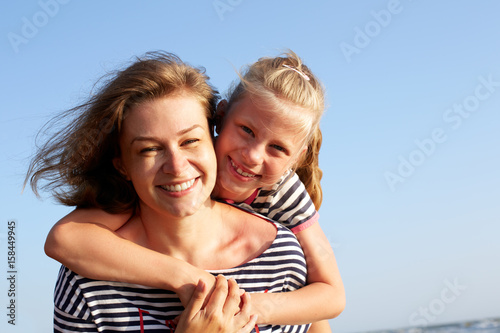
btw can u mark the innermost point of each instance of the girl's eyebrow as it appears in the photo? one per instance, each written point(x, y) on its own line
point(153, 138)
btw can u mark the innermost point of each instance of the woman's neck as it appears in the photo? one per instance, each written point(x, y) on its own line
point(187, 238)
point(219, 237)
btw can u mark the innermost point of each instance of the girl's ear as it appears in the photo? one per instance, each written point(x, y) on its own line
point(219, 115)
point(300, 158)
point(304, 151)
point(118, 164)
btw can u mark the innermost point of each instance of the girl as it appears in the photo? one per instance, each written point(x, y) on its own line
point(268, 127)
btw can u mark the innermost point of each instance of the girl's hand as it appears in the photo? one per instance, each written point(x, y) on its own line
point(222, 313)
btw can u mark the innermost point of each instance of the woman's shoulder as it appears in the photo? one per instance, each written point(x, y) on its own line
point(246, 223)
point(261, 241)
point(246, 234)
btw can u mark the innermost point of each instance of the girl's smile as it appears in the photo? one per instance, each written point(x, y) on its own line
point(241, 172)
point(255, 147)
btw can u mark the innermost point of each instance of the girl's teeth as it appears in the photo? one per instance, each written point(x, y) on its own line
point(241, 172)
point(178, 187)
point(245, 174)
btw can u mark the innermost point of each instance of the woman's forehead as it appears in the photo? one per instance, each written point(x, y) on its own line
point(172, 113)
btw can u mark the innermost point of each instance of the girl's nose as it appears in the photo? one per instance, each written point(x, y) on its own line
point(253, 154)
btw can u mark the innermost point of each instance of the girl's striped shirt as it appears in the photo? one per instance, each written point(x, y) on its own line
point(286, 202)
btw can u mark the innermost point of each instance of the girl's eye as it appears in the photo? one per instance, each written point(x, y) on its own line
point(279, 148)
point(246, 130)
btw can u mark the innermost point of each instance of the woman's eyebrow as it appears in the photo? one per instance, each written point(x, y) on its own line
point(184, 131)
point(143, 138)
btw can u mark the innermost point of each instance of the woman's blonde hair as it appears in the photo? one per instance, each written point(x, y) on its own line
point(282, 82)
point(77, 161)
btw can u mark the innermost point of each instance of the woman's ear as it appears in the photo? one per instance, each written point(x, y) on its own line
point(219, 115)
point(118, 164)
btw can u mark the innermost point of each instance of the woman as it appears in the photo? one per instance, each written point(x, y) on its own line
point(153, 152)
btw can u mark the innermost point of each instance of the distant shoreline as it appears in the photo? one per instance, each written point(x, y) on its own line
point(487, 325)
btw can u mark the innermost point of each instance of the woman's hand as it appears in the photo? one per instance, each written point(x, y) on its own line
point(222, 312)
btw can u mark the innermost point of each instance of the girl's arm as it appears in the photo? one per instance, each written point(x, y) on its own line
point(95, 251)
point(323, 297)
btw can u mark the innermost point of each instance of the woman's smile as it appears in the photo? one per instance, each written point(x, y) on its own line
point(181, 187)
point(168, 154)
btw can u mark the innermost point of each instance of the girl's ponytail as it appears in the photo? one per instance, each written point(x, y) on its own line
point(309, 171)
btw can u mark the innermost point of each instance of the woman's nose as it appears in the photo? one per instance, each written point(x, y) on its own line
point(175, 163)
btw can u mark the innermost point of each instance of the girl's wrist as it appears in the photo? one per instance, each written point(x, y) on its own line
point(187, 279)
point(259, 303)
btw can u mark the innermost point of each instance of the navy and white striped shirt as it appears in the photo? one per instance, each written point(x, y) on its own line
point(85, 305)
point(286, 202)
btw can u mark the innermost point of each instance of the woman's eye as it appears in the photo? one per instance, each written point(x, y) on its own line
point(149, 149)
point(190, 141)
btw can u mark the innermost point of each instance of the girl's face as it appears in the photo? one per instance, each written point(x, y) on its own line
point(254, 148)
point(167, 153)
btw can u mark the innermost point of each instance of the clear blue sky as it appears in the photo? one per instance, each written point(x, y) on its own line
point(411, 135)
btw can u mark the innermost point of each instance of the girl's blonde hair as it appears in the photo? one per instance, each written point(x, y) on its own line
point(77, 161)
point(282, 82)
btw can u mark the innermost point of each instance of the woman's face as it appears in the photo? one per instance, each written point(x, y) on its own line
point(254, 149)
point(167, 153)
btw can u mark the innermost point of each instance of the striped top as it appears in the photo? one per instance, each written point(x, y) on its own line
point(286, 202)
point(85, 305)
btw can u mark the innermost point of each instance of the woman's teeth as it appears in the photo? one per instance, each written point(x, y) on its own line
point(178, 187)
point(241, 172)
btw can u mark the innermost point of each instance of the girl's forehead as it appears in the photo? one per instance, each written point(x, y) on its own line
point(272, 110)
point(278, 122)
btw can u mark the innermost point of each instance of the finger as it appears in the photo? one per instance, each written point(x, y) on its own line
point(250, 325)
point(210, 285)
point(246, 305)
point(218, 297)
point(243, 317)
point(196, 302)
point(232, 304)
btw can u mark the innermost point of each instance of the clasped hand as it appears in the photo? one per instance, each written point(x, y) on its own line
point(226, 309)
